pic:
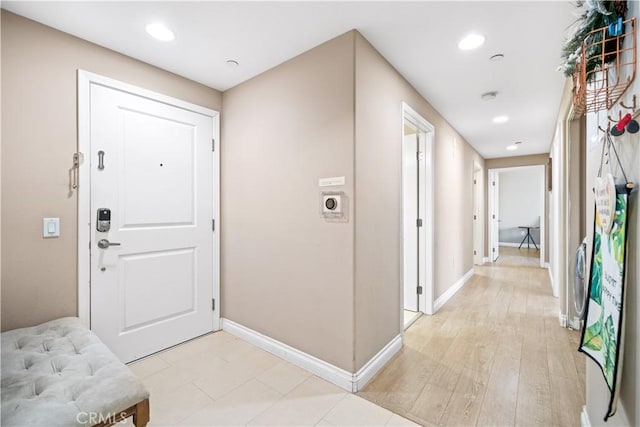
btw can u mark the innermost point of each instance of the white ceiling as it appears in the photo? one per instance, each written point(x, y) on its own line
point(418, 38)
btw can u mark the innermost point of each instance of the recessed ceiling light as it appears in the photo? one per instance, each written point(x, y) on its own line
point(232, 63)
point(497, 57)
point(488, 96)
point(471, 41)
point(512, 147)
point(500, 119)
point(160, 32)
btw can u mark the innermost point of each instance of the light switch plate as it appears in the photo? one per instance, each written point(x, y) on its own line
point(50, 227)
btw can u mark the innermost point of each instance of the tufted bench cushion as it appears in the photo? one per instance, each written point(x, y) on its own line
point(60, 373)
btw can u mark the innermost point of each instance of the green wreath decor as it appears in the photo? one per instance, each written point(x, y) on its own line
point(597, 14)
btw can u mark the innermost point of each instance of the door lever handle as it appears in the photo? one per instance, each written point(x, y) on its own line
point(104, 244)
point(100, 160)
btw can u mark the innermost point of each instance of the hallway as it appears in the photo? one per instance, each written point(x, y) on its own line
point(493, 355)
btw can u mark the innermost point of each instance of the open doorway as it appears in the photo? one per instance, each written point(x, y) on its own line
point(417, 216)
point(517, 215)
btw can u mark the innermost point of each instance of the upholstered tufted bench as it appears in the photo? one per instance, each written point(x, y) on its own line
point(60, 374)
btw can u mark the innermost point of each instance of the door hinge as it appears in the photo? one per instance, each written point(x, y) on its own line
point(493, 249)
point(213, 225)
point(213, 304)
point(419, 222)
point(419, 290)
point(493, 183)
point(213, 144)
point(475, 253)
point(474, 181)
point(493, 216)
point(475, 217)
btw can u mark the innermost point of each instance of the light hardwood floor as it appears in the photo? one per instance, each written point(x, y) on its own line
point(518, 257)
point(494, 355)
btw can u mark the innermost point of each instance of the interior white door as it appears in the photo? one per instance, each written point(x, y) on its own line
point(410, 214)
point(421, 216)
point(155, 174)
point(495, 216)
point(477, 250)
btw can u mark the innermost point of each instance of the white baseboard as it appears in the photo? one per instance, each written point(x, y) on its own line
point(562, 318)
point(553, 285)
point(584, 418)
point(333, 374)
point(509, 244)
point(566, 322)
point(575, 324)
point(442, 299)
point(547, 265)
point(485, 260)
point(377, 362)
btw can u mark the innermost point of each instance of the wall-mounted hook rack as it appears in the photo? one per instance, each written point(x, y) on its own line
point(606, 68)
point(629, 108)
point(614, 120)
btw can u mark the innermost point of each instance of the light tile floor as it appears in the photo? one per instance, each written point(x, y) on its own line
point(220, 380)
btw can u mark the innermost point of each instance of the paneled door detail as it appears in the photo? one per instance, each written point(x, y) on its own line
point(152, 188)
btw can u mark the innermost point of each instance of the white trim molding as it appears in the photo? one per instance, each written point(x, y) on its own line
point(517, 245)
point(509, 244)
point(485, 260)
point(338, 376)
point(575, 323)
point(554, 290)
point(427, 232)
point(584, 418)
point(562, 318)
point(442, 299)
point(377, 362)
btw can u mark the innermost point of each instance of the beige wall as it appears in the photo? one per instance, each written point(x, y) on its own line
point(517, 161)
point(286, 272)
point(380, 91)
point(330, 289)
point(38, 140)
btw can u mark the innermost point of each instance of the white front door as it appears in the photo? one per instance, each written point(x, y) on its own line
point(152, 166)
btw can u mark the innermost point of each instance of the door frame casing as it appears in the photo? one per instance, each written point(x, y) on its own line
point(85, 80)
point(426, 299)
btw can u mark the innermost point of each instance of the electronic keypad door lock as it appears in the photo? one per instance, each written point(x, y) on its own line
point(103, 222)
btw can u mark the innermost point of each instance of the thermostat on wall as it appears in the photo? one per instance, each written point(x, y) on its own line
point(333, 204)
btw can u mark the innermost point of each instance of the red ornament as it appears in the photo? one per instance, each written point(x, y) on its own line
point(623, 122)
